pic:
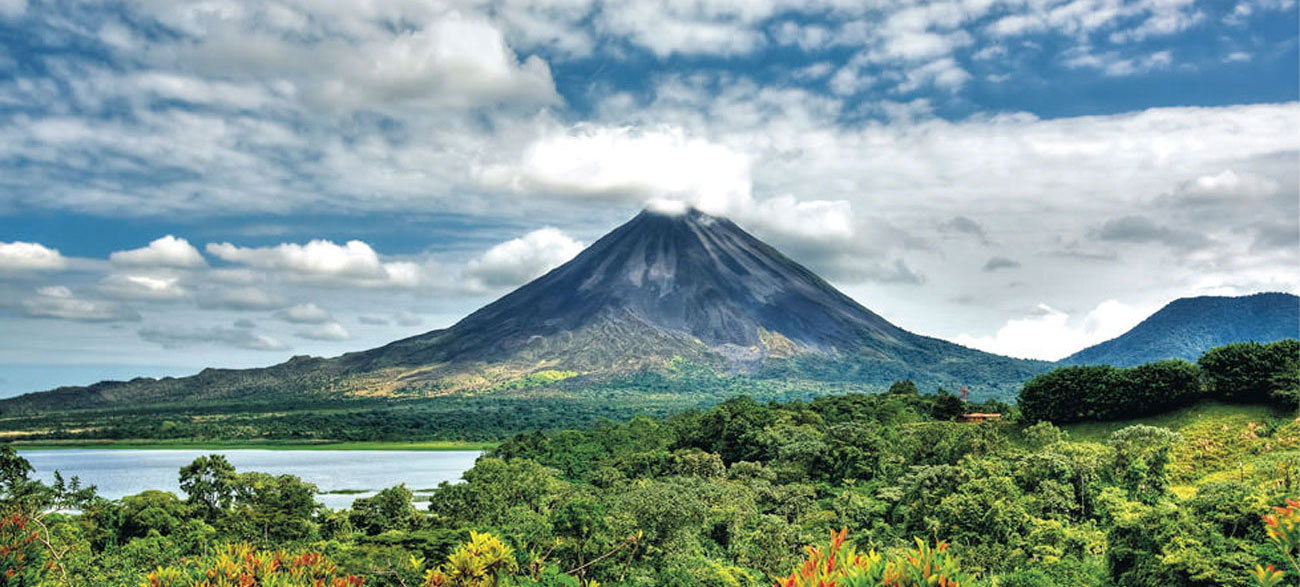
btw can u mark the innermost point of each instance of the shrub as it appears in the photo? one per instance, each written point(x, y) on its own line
point(1253, 372)
point(1101, 392)
point(1283, 529)
point(22, 554)
point(1068, 394)
point(1153, 388)
point(841, 564)
point(483, 561)
point(241, 564)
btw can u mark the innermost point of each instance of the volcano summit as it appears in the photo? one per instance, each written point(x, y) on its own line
point(663, 289)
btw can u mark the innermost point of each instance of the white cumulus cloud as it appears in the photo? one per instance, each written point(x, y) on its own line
point(304, 314)
point(453, 61)
point(632, 165)
point(143, 286)
point(167, 251)
point(1051, 334)
point(21, 255)
point(59, 302)
point(325, 332)
point(352, 263)
point(663, 166)
point(522, 259)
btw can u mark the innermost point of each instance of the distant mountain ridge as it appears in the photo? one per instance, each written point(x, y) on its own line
point(1187, 327)
point(663, 289)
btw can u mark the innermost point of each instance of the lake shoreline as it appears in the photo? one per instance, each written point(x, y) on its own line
point(144, 444)
point(340, 477)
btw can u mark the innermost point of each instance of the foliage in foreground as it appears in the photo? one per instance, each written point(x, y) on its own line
point(727, 496)
point(245, 566)
point(842, 565)
point(1283, 528)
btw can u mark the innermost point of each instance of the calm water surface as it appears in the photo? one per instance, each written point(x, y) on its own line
point(120, 472)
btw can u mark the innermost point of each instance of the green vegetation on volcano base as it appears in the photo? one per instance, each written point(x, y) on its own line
point(463, 416)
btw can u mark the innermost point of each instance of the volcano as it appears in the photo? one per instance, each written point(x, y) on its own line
point(695, 279)
point(662, 289)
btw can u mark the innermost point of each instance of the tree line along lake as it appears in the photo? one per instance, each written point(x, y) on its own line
point(341, 476)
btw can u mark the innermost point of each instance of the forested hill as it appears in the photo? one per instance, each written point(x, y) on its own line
point(1187, 327)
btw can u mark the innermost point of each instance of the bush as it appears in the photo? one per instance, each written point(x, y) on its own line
point(1068, 394)
point(390, 509)
point(1102, 392)
point(841, 563)
point(1153, 388)
point(1251, 372)
point(241, 564)
point(22, 554)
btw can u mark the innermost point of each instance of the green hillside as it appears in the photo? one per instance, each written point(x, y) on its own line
point(1218, 442)
point(492, 410)
point(1187, 327)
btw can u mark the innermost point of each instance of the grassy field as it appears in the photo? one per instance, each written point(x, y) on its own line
point(431, 445)
point(1177, 420)
point(1219, 442)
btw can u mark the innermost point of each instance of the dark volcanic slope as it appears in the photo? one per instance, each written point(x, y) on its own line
point(688, 275)
point(1187, 327)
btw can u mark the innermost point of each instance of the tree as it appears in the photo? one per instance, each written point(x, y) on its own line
point(695, 462)
point(1102, 392)
point(1232, 507)
point(209, 483)
point(853, 451)
point(16, 486)
point(904, 387)
point(947, 406)
point(22, 554)
point(1043, 434)
point(274, 508)
point(1286, 380)
point(733, 429)
point(390, 509)
point(151, 512)
point(1252, 372)
point(1157, 387)
point(584, 531)
point(1068, 394)
point(497, 490)
point(25, 505)
point(1141, 453)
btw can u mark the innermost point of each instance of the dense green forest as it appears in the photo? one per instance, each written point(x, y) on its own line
point(490, 415)
point(888, 489)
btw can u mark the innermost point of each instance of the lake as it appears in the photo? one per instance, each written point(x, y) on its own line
point(120, 472)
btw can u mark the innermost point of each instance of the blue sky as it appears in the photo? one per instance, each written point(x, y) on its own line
point(230, 183)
